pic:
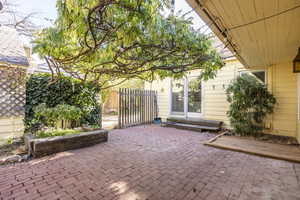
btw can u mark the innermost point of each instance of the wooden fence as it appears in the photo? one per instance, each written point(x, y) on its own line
point(136, 107)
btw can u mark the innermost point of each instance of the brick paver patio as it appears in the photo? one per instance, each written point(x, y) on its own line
point(153, 163)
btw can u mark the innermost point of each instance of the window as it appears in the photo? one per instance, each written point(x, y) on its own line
point(186, 96)
point(194, 95)
point(259, 74)
point(178, 96)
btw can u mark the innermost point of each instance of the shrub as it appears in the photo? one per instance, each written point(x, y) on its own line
point(250, 102)
point(56, 132)
point(41, 88)
point(62, 112)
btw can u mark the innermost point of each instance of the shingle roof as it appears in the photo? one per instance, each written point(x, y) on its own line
point(11, 48)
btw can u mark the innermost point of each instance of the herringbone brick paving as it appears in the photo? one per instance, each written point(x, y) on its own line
point(151, 163)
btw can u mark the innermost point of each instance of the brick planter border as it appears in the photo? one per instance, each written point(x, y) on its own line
point(38, 147)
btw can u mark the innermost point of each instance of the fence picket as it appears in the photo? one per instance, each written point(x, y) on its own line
point(136, 106)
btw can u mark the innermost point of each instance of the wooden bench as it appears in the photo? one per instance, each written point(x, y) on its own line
point(194, 124)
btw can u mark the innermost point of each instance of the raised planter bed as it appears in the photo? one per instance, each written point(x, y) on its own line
point(38, 147)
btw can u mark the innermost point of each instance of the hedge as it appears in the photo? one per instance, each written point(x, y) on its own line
point(41, 88)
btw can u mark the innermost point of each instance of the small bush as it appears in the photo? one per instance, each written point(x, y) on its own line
point(61, 112)
point(250, 102)
point(56, 132)
point(10, 140)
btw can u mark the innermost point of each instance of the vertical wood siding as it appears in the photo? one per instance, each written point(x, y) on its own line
point(136, 107)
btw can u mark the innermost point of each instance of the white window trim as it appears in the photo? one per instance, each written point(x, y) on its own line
point(195, 114)
point(258, 70)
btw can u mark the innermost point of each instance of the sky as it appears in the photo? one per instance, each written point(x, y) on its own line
point(43, 8)
point(47, 9)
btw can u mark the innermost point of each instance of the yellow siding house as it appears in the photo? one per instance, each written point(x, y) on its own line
point(265, 37)
point(211, 102)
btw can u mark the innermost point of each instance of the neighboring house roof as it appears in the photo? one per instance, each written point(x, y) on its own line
point(38, 65)
point(42, 68)
point(11, 48)
point(224, 52)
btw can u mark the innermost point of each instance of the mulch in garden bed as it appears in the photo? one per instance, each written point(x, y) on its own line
point(16, 147)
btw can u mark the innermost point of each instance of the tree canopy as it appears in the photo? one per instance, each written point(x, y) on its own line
point(111, 41)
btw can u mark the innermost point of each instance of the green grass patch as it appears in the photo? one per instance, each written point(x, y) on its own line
point(58, 132)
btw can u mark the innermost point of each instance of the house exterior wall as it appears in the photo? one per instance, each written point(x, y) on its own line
point(298, 110)
point(215, 100)
point(215, 104)
point(163, 88)
point(11, 127)
point(281, 81)
point(298, 131)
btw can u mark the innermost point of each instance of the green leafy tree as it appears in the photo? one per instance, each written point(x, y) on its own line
point(111, 41)
point(250, 102)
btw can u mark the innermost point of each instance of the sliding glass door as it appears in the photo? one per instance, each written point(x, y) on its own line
point(186, 97)
point(194, 95)
point(178, 97)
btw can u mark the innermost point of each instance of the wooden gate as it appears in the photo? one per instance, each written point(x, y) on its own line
point(136, 107)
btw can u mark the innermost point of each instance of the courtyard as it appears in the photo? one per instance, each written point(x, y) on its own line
point(151, 163)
